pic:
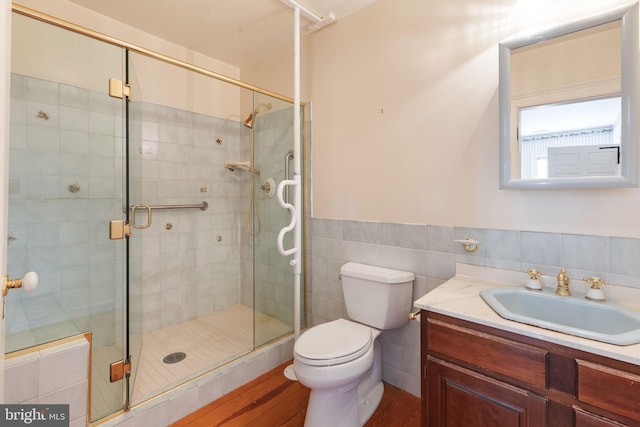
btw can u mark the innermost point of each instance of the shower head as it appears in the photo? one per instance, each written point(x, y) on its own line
point(249, 121)
point(260, 108)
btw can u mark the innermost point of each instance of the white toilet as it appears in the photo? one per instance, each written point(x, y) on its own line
point(341, 361)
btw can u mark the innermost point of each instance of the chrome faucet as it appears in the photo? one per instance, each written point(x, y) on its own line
point(563, 283)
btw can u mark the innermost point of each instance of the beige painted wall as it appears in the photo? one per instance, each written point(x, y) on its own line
point(405, 114)
point(405, 119)
point(159, 83)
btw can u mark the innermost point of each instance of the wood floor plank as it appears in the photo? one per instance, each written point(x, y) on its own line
point(226, 409)
point(396, 410)
point(229, 406)
point(280, 410)
point(271, 400)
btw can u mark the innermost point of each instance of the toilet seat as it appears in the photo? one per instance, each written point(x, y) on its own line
point(333, 343)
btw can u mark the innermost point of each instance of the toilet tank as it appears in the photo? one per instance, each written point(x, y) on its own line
point(376, 296)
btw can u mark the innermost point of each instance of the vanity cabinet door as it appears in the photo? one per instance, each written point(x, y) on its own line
point(611, 389)
point(587, 419)
point(460, 397)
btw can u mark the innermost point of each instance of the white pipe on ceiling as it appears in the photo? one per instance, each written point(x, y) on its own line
point(307, 13)
point(318, 21)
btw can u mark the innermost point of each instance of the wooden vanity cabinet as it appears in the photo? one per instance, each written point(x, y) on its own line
point(475, 375)
point(466, 398)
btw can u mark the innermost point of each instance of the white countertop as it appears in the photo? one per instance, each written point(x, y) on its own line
point(459, 297)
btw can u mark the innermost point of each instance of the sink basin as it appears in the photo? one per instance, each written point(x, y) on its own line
point(601, 321)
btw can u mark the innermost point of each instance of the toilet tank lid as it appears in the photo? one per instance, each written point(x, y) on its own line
point(377, 274)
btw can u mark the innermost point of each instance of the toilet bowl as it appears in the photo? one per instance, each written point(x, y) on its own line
point(341, 360)
point(334, 373)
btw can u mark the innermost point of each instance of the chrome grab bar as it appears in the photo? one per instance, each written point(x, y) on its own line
point(287, 158)
point(202, 206)
point(149, 208)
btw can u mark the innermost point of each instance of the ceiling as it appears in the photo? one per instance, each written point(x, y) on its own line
point(237, 32)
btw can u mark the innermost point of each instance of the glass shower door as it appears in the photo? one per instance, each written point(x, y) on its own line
point(65, 185)
point(273, 275)
point(185, 283)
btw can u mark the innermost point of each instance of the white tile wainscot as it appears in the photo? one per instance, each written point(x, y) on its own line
point(51, 373)
point(58, 373)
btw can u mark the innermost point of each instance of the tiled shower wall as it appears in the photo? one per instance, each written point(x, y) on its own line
point(190, 262)
point(197, 262)
point(64, 185)
point(431, 253)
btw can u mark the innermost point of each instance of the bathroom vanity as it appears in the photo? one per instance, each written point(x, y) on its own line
point(479, 369)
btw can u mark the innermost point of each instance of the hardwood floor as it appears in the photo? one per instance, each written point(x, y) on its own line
point(273, 401)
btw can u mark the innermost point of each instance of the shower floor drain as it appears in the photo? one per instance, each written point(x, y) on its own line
point(174, 357)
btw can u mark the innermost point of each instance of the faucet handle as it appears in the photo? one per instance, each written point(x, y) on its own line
point(534, 282)
point(595, 293)
point(595, 282)
point(534, 274)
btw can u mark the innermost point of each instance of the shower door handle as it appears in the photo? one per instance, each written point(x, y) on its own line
point(133, 217)
point(29, 282)
point(292, 210)
point(119, 229)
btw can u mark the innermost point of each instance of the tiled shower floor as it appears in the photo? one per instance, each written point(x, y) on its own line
point(208, 341)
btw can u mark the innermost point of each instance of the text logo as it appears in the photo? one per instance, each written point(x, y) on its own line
point(34, 415)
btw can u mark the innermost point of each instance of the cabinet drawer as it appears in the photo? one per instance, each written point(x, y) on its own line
point(513, 359)
point(611, 389)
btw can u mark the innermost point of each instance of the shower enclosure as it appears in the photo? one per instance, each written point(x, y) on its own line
point(123, 200)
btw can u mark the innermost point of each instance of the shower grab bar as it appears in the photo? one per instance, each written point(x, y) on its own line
point(150, 208)
point(292, 210)
point(287, 158)
point(202, 206)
